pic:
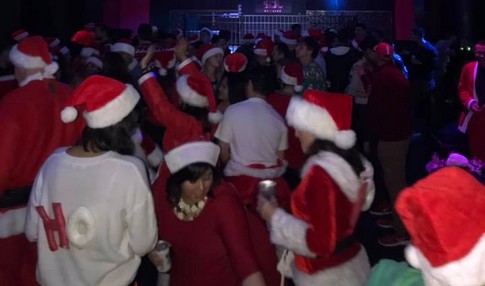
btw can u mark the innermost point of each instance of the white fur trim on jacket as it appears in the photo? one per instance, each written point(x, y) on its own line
point(354, 272)
point(306, 116)
point(289, 232)
point(188, 95)
point(183, 64)
point(344, 176)
point(234, 169)
point(155, 158)
point(114, 111)
point(466, 271)
point(12, 222)
point(20, 59)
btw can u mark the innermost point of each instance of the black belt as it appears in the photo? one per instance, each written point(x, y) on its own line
point(344, 244)
point(15, 197)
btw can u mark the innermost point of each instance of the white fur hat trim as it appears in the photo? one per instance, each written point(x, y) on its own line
point(189, 153)
point(189, 95)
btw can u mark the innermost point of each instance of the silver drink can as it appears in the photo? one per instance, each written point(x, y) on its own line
point(163, 249)
point(267, 188)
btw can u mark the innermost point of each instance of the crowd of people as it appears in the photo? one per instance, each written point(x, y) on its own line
point(177, 133)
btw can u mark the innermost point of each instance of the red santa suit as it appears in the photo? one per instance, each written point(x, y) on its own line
point(471, 123)
point(325, 206)
point(31, 130)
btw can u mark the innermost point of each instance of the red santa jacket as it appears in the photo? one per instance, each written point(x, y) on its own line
point(326, 206)
point(467, 93)
point(31, 130)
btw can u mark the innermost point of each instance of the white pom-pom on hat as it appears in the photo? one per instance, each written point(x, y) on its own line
point(345, 139)
point(69, 114)
point(215, 117)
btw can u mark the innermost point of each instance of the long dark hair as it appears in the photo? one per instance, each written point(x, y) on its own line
point(200, 113)
point(191, 173)
point(112, 138)
point(351, 156)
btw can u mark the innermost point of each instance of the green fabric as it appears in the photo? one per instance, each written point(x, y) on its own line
point(313, 77)
point(393, 273)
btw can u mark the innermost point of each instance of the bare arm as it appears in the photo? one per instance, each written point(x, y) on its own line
point(255, 279)
point(225, 152)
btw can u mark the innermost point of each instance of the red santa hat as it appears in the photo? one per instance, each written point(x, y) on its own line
point(325, 115)
point(235, 62)
point(264, 48)
point(194, 38)
point(104, 101)
point(165, 60)
point(19, 35)
point(290, 38)
point(124, 46)
point(205, 51)
point(384, 50)
point(248, 38)
point(196, 90)
point(292, 74)
point(33, 53)
point(317, 35)
point(190, 153)
point(444, 214)
point(87, 52)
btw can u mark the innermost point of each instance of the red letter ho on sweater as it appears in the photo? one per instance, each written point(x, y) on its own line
point(58, 224)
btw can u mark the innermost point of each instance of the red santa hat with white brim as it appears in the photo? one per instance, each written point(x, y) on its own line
point(87, 52)
point(178, 33)
point(326, 115)
point(105, 102)
point(444, 216)
point(206, 51)
point(206, 30)
point(196, 90)
point(33, 53)
point(292, 74)
point(123, 46)
point(165, 60)
point(290, 38)
point(264, 48)
point(95, 61)
point(235, 62)
point(190, 153)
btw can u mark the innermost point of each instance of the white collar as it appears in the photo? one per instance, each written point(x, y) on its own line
point(35, 76)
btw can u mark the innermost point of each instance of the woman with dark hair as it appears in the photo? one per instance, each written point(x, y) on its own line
point(94, 195)
point(205, 223)
point(336, 185)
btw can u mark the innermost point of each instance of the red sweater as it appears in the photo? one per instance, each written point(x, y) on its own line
point(389, 107)
point(213, 249)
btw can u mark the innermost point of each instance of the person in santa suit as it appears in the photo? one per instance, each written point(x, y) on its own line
point(336, 185)
point(97, 244)
point(471, 89)
point(291, 77)
point(443, 213)
point(31, 129)
point(205, 222)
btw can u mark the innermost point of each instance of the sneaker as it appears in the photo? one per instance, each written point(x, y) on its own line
point(394, 239)
point(384, 223)
point(382, 208)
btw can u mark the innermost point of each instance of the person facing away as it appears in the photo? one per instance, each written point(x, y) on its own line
point(91, 209)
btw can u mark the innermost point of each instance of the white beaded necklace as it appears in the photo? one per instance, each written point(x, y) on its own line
point(187, 212)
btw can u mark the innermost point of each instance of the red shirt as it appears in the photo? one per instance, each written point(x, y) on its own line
point(389, 107)
point(213, 249)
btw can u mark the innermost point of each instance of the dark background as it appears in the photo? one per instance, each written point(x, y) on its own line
point(64, 17)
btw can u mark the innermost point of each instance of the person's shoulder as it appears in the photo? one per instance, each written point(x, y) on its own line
point(128, 162)
point(226, 196)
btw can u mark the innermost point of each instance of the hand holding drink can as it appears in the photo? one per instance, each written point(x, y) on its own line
point(163, 250)
point(267, 189)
